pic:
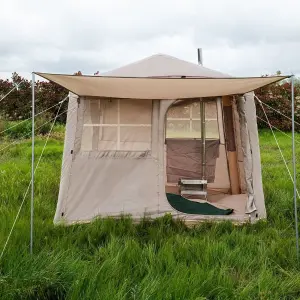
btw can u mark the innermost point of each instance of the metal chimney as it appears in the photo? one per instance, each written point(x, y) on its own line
point(200, 58)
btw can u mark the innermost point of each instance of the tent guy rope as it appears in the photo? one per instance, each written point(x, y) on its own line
point(27, 190)
point(21, 122)
point(25, 135)
point(277, 111)
point(294, 165)
point(15, 87)
point(32, 158)
point(296, 192)
point(298, 142)
point(279, 148)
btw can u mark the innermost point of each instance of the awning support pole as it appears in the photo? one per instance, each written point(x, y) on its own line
point(203, 136)
point(32, 165)
point(294, 166)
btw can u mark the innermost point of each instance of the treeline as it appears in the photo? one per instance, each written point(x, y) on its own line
point(17, 105)
point(278, 96)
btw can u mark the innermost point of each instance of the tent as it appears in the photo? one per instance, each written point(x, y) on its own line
point(161, 136)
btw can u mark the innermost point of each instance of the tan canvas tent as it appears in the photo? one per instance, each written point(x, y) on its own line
point(161, 136)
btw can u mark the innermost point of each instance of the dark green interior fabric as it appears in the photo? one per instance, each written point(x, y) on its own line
point(196, 208)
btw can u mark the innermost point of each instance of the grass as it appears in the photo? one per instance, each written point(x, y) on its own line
point(116, 259)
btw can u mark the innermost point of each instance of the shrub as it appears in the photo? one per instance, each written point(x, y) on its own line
point(17, 105)
point(278, 96)
point(17, 129)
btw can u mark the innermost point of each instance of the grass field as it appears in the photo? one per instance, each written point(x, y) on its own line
point(110, 259)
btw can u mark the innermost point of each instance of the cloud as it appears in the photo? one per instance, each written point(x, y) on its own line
point(237, 37)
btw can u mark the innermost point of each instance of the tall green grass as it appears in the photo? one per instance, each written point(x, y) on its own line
point(116, 259)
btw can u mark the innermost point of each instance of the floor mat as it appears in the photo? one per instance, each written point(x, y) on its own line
point(196, 208)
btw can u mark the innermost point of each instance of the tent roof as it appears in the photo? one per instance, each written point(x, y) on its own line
point(158, 88)
point(161, 65)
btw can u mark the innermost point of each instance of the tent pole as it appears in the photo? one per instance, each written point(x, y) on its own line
point(294, 165)
point(32, 165)
point(202, 113)
point(200, 57)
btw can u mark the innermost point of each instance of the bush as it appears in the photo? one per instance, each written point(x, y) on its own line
point(2, 125)
point(278, 96)
point(17, 105)
point(17, 129)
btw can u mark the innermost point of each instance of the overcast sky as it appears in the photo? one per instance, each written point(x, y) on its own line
point(238, 37)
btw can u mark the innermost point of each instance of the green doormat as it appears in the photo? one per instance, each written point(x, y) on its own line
point(196, 208)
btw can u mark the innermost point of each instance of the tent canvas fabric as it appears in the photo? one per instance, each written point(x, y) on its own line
point(115, 155)
point(161, 65)
point(157, 88)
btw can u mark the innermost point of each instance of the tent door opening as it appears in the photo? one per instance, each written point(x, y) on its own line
point(190, 151)
point(195, 159)
point(197, 187)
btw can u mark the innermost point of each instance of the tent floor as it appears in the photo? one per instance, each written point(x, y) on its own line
point(236, 202)
point(223, 201)
point(188, 206)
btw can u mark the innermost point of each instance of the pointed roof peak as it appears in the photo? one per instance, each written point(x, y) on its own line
point(163, 65)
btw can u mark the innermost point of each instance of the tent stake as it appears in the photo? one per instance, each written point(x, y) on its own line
point(294, 166)
point(32, 166)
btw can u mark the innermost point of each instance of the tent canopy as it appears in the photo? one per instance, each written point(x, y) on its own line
point(157, 88)
point(162, 65)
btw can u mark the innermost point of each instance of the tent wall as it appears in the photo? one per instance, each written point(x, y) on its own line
point(68, 154)
point(111, 186)
point(239, 148)
point(108, 183)
point(252, 161)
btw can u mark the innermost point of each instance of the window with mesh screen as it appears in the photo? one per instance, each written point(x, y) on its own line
point(183, 120)
point(117, 124)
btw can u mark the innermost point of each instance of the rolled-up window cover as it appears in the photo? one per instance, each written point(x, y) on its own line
point(184, 159)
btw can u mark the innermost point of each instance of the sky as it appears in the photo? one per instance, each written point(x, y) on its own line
point(240, 38)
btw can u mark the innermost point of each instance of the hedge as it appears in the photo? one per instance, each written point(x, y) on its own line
point(17, 106)
point(278, 96)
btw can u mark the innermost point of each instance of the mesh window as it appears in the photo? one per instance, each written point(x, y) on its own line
point(183, 120)
point(117, 125)
point(135, 111)
point(176, 128)
point(179, 111)
point(135, 138)
point(107, 138)
point(101, 111)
